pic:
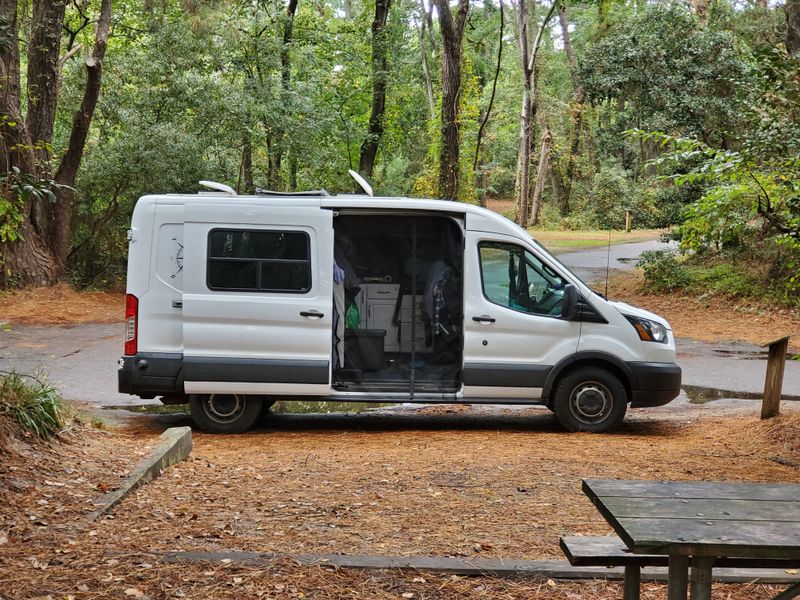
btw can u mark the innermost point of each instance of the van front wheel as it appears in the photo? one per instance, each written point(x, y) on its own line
point(224, 413)
point(590, 399)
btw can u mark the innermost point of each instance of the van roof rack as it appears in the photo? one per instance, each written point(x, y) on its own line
point(260, 192)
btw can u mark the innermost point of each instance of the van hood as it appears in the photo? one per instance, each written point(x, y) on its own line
point(627, 309)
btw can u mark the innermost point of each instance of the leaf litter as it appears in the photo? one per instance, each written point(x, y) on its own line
point(508, 491)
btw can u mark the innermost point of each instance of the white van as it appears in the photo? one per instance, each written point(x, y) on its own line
point(234, 302)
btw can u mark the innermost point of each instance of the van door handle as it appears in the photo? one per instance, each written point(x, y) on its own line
point(312, 314)
point(484, 319)
point(177, 304)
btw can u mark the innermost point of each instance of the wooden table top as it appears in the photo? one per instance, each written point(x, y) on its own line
point(701, 518)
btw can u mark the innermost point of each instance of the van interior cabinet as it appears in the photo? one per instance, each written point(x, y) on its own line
point(376, 302)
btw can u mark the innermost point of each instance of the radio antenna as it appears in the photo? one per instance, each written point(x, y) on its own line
point(608, 261)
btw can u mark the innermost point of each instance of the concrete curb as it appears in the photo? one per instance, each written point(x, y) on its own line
point(175, 445)
point(493, 567)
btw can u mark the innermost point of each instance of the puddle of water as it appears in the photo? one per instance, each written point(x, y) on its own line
point(280, 407)
point(748, 354)
point(703, 395)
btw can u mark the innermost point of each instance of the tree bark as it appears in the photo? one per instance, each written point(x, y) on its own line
point(426, 71)
point(43, 74)
point(81, 120)
point(576, 110)
point(528, 52)
point(554, 160)
point(278, 147)
point(536, 200)
point(702, 10)
point(247, 165)
point(792, 11)
point(380, 67)
point(28, 261)
point(452, 36)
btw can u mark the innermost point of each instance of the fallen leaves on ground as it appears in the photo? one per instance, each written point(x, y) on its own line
point(506, 488)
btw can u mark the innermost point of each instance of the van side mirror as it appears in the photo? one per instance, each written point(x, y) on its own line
point(569, 306)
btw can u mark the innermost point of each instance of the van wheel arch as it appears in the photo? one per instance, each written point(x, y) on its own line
point(587, 359)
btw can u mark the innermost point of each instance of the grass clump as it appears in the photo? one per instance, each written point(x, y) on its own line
point(32, 403)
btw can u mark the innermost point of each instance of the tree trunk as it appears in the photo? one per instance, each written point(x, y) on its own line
point(452, 36)
point(16, 142)
point(43, 75)
point(702, 10)
point(557, 181)
point(380, 67)
point(27, 261)
point(426, 71)
point(81, 120)
point(292, 170)
point(528, 52)
point(488, 111)
point(247, 165)
point(536, 201)
point(792, 11)
point(576, 110)
point(276, 156)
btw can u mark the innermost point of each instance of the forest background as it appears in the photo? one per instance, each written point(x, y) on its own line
point(683, 113)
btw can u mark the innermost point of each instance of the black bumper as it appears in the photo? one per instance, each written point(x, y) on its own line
point(151, 374)
point(654, 384)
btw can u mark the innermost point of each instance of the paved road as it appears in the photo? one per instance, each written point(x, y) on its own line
point(81, 359)
point(590, 264)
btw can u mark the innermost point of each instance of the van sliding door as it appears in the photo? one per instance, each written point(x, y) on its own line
point(257, 301)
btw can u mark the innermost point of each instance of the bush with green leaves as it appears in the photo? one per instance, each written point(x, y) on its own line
point(33, 403)
point(663, 271)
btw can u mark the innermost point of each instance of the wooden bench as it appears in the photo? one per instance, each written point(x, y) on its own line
point(610, 551)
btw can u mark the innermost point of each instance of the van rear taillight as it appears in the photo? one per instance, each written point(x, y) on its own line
point(131, 329)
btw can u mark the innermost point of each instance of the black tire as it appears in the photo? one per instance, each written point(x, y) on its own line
point(224, 413)
point(590, 399)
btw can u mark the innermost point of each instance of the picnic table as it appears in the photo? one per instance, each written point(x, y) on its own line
point(701, 521)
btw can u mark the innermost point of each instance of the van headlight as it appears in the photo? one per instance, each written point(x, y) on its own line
point(649, 331)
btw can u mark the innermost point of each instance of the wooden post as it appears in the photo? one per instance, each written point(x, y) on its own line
point(773, 383)
point(632, 584)
point(701, 577)
point(628, 221)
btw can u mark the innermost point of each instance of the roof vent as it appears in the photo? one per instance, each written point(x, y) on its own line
point(220, 187)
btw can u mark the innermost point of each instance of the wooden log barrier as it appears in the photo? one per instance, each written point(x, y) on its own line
point(773, 384)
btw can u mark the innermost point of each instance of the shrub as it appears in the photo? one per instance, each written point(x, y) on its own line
point(726, 278)
point(663, 271)
point(33, 403)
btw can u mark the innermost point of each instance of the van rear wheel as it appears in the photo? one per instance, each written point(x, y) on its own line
point(224, 413)
point(590, 399)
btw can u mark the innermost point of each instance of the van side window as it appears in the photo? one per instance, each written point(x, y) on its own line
point(259, 261)
point(515, 278)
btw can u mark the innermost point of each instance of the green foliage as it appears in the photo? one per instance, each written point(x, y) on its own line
point(32, 403)
point(663, 271)
point(726, 278)
point(666, 73)
point(17, 189)
point(188, 86)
